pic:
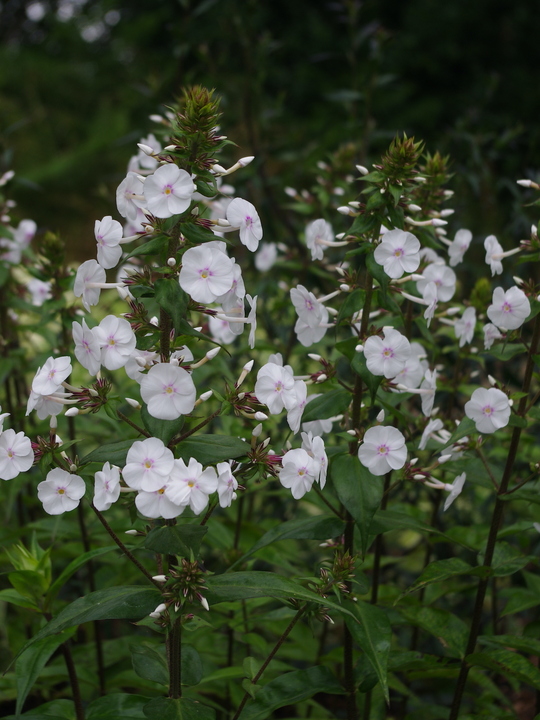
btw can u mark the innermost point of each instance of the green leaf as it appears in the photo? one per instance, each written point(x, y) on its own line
point(387, 520)
point(519, 599)
point(14, 597)
point(372, 632)
point(31, 662)
point(523, 644)
point(358, 490)
point(317, 528)
point(377, 271)
point(360, 368)
point(440, 570)
point(195, 233)
point(450, 630)
point(153, 247)
point(115, 603)
point(54, 710)
point(506, 662)
point(290, 689)
point(115, 453)
point(165, 430)
point(73, 566)
point(327, 405)
point(29, 583)
point(149, 663)
point(507, 560)
point(181, 709)
point(192, 670)
point(517, 421)
point(176, 539)
point(354, 301)
point(506, 351)
point(170, 296)
point(117, 705)
point(228, 587)
point(211, 449)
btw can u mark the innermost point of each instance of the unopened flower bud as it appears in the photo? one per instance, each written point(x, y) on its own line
point(448, 193)
point(211, 354)
point(260, 416)
point(517, 280)
point(418, 477)
point(414, 208)
point(436, 222)
point(447, 212)
point(257, 430)
point(491, 380)
point(154, 615)
point(351, 432)
point(344, 287)
point(524, 183)
point(291, 192)
point(362, 170)
point(444, 458)
point(160, 578)
point(72, 412)
point(380, 416)
point(344, 210)
point(131, 532)
point(171, 262)
point(322, 377)
point(160, 608)
point(73, 468)
point(266, 442)
point(134, 403)
point(511, 402)
point(241, 395)
point(314, 356)
point(204, 603)
point(413, 462)
point(147, 150)
point(170, 148)
point(206, 395)
point(355, 204)
point(246, 160)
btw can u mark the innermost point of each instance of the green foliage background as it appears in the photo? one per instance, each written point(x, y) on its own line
point(297, 80)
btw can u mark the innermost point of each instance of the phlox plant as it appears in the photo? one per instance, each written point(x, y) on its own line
point(265, 477)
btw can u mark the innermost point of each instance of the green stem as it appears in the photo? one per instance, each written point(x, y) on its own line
point(187, 434)
point(133, 425)
point(488, 469)
point(175, 659)
point(124, 549)
point(270, 657)
point(495, 525)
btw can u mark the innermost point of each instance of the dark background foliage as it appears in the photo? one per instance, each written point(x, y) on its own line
point(298, 80)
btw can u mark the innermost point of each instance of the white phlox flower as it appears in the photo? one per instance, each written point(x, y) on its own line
point(168, 391)
point(168, 191)
point(39, 290)
point(307, 307)
point(227, 484)
point(87, 348)
point(46, 405)
point(141, 360)
point(221, 330)
point(294, 415)
point(427, 389)
point(430, 297)
point(398, 253)
point(61, 492)
point(491, 333)
point(275, 388)
point(206, 274)
point(298, 472)
point(493, 255)
point(148, 465)
point(116, 340)
point(431, 428)
point(48, 378)
point(489, 408)
point(3, 416)
point(309, 335)
point(243, 215)
point(459, 246)
point(108, 233)
point(106, 487)
point(383, 449)
point(509, 309)
point(16, 454)
point(444, 279)
point(464, 327)
point(191, 485)
point(144, 161)
point(319, 234)
point(266, 257)
point(237, 290)
point(129, 197)
point(24, 233)
point(157, 504)
point(88, 282)
point(314, 446)
point(454, 489)
point(387, 356)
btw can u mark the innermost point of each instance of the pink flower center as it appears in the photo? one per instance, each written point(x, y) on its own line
point(168, 190)
point(506, 308)
point(398, 252)
point(388, 353)
point(383, 449)
point(488, 410)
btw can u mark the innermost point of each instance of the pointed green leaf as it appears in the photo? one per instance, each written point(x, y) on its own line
point(176, 539)
point(170, 296)
point(290, 689)
point(115, 453)
point(372, 632)
point(182, 709)
point(165, 430)
point(440, 570)
point(450, 630)
point(32, 661)
point(327, 405)
point(73, 566)
point(358, 490)
point(116, 706)
point(506, 662)
point(149, 663)
point(317, 528)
